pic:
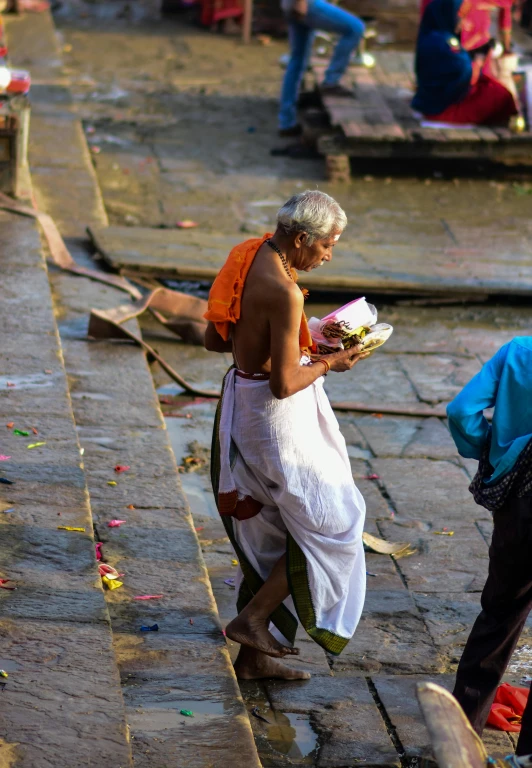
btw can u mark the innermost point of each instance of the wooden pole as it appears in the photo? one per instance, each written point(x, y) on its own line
point(247, 21)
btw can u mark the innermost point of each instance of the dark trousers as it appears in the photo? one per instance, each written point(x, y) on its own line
point(506, 602)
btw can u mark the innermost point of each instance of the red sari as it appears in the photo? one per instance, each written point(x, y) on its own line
point(488, 102)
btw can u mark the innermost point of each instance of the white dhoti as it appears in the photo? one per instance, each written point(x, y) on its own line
point(290, 456)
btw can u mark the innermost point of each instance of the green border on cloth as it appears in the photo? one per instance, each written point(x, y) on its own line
point(296, 566)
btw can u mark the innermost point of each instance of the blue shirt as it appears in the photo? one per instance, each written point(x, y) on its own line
point(505, 382)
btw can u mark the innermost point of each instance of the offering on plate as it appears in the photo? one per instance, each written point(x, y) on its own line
point(354, 323)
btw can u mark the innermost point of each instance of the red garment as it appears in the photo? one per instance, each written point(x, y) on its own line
point(476, 21)
point(508, 708)
point(488, 102)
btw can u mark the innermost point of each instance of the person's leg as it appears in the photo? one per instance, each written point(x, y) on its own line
point(506, 602)
point(329, 18)
point(250, 628)
point(300, 37)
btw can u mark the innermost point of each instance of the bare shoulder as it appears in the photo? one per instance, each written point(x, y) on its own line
point(285, 297)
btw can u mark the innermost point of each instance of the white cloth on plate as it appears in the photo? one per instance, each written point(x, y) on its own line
point(292, 458)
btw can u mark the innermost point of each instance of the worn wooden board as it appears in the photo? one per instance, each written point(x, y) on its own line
point(379, 121)
point(356, 266)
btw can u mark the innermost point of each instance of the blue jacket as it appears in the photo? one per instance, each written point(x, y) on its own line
point(443, 67)
point(505, 382)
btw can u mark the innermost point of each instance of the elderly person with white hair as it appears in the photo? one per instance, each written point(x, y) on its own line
point(280, 469)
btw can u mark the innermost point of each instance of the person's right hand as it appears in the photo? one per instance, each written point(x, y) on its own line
point(345, 359)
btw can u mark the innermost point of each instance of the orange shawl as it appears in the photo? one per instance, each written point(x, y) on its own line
point(225, 296)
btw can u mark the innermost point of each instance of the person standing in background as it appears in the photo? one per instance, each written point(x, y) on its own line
point(502, 484)
point(304, 17)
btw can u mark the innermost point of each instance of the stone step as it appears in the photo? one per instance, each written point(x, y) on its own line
point(63, 692)
point(185, 664)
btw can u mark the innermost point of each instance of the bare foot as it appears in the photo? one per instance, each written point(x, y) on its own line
point(255, 634)
point(255, 665)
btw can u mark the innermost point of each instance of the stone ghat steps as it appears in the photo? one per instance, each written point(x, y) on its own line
point(63, 693)
point(185, 665)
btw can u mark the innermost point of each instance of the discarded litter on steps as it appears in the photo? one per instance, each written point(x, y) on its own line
point(147, 597)
point(186, 712)
point(112, 583)
point(70, 528)
point(21, 432)
point(109, 571)
point(153, 628)
point(36, 445)
point(121, 468)
point(5, 481)
point(115, 523)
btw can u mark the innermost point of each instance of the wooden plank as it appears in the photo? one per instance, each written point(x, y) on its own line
point(486, 134)
point(379, 122)
point(397, 268)
point(247, 21)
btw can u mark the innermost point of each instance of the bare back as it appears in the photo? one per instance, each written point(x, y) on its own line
point(266, 291)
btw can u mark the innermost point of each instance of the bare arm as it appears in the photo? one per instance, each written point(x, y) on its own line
point(287, 375)
point(214, 342)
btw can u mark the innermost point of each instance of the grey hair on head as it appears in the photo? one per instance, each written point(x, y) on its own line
point(313, 212)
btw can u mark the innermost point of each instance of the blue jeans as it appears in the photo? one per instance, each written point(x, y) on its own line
point(329, 18)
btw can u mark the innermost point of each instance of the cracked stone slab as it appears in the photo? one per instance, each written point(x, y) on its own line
point(438, 378)
point(377, 379)
point(398, 696)
point(445, 564)
point(63, 695)
point(382, 573)
point(435, 491)
point(450, 619)
point(391, 636)
point(389, 435)
point(344, 713)
point(377, 506)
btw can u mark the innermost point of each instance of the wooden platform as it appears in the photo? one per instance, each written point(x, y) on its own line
point(357, 266)
point(380, 123)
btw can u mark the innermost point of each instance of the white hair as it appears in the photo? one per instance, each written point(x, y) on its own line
point(313, 212)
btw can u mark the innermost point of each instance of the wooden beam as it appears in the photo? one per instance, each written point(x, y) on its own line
point(247, 22)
